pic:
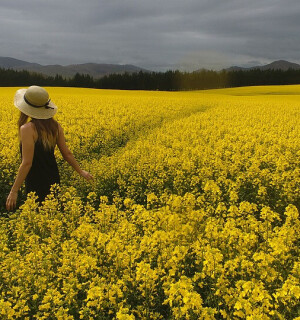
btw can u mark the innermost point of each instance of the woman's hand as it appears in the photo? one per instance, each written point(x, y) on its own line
point(86, 175)
point(11, 200)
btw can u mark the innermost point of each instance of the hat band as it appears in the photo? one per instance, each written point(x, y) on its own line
point(46, 105)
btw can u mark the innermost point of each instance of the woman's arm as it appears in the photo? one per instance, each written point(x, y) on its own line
point(27, 139)
point(68, 155)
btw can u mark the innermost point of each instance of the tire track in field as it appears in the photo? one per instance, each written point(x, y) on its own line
point(118, 143)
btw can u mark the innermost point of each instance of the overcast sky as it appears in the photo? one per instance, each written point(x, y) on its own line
point(154, 34)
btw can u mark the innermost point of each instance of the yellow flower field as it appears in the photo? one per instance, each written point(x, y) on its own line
point(194, 213)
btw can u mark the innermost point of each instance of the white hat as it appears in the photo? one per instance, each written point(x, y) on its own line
point(35, 103)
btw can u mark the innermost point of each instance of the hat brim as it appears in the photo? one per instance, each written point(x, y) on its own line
point(36, 113)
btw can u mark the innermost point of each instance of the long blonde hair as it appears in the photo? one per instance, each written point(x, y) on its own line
point(47, 129)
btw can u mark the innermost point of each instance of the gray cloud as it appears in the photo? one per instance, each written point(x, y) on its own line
point(153, 34)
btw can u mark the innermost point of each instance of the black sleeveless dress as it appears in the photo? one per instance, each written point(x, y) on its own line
point(43, 172)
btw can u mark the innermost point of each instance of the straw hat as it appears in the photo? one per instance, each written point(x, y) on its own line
point(35, 103)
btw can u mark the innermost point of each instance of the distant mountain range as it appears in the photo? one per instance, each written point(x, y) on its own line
point(276, 65)
point(95, 70)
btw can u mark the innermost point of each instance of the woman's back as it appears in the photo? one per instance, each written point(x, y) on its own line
point(43, 172)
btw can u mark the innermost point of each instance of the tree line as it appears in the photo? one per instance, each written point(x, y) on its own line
point(167, 81)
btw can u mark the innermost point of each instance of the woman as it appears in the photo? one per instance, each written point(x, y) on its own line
point(38, 139)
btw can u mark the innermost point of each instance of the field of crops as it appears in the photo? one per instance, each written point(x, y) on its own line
point(194, 213)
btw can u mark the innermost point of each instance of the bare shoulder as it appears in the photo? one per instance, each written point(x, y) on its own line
point(60, 129)
point(27, 130)
point(59, 126)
